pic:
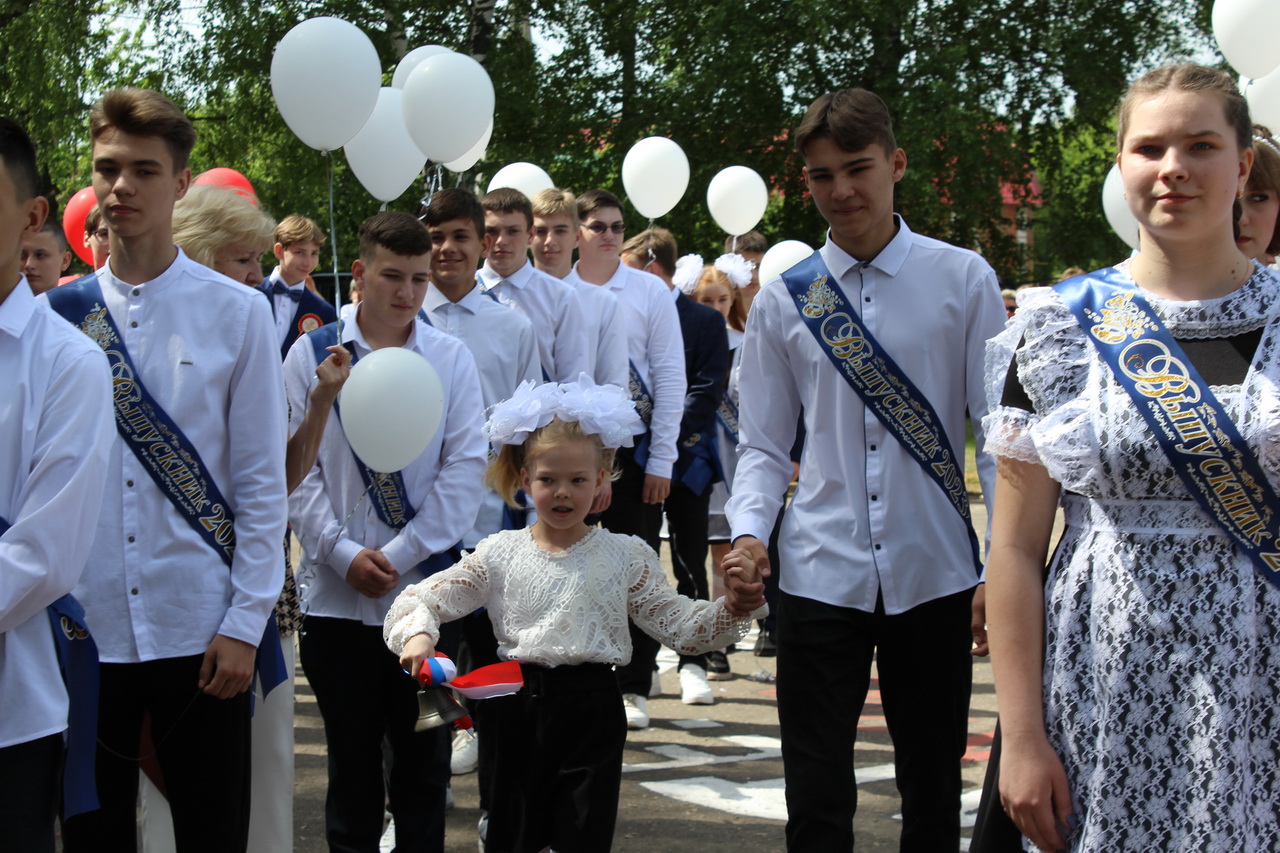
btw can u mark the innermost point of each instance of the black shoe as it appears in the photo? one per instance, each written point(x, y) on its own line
point(766, 645)
point(718, 666)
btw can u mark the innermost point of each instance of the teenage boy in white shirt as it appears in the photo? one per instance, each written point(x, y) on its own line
point(548, 302)
point(879, 561)
point(656, 351)
point(360, 552)
point(56, 430)
point(186, 562)
point(555, 235)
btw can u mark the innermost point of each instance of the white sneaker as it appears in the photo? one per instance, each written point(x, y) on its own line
point(482, 829)
point(655, 684)
point(694, 689)
point(466, 753)
point(637, 710)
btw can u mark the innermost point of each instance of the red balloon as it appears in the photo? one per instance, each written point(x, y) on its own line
point(73, 217)
point(221, 176)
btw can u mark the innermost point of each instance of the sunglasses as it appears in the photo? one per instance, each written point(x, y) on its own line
point(601, 227)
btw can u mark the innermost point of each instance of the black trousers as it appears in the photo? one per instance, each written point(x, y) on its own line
point(824, 668)
point(365, 697)
point(202, 746)
point(687, 528)
point(30, 790)
point(557, 761)
point(629, 514)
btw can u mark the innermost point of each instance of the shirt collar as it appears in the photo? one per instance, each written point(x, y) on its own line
point(676, 293)
point(351, 333)
point(435, 299)
point(275, 276)
point(176, 270)
point(889, 261)
point(518, 279)
point(17, 308)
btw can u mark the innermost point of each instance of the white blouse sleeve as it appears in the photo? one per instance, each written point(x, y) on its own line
point(443, 597)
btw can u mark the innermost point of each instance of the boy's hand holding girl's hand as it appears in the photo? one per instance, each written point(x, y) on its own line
point(418, 648)
point(743, 569)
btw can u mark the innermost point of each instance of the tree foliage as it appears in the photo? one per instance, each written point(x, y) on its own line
point(983, 91)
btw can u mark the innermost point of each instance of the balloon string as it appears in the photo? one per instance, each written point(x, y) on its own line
point(734, 250)
point(333, 239)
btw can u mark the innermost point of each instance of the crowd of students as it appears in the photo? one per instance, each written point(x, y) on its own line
point(629, 386)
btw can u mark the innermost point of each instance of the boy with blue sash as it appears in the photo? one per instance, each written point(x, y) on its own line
point(366, 536)
point(55, 436)
point(879, 337)
point(656, 384)
point(186, 563)
point(687, 507)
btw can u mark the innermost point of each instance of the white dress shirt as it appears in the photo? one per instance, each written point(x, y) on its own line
point(603, 332)
point(866, 519)
point(443, 485)
point(56, 429)
point(503, 343)
point(285, 307)
point(656, 348)
point(557, 317)
point(203, 347)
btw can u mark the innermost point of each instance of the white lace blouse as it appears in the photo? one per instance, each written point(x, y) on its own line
point(568, 607)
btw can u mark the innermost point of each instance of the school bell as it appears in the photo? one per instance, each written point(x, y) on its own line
point(437, 707)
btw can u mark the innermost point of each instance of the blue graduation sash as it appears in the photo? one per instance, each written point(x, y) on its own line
point(644, 408)
point(727, 417)
point(1202, 443)
point(882, 386)
point(168, 456)
point(78, 661)
point(698, 463)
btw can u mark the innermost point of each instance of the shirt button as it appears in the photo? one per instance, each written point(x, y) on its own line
point(866, 299)
point(137, 292)
point(131, 539)
point(877, 546)
point(129, 483)
point(133, 325)
point(134, 591)
point(873, 447)
point(875, 497)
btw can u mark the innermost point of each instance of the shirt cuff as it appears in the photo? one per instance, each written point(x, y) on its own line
point(344, 552)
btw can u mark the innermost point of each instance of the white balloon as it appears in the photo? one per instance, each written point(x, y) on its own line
point(1246, 33)
point(525, 177)
point(382, 155)
point(412, 60)
point(1114, 205)
point(466, 161)
point(782, 257)
point(391, 407)
point(325, 76)
point(655, 174)
point(737, 197)
point(1263, 96)
point(448, 102)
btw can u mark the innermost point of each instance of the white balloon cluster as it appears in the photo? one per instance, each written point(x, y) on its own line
point(327, 82)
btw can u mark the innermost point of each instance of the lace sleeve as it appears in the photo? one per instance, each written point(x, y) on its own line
point(687, 626)
point(1050, 357)
point(443, 597)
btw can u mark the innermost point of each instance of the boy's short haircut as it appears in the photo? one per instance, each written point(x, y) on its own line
point(396, 231)
point(92, 220)
point(208, 219)
point(752, 241)
point(19, 156)
point(296, 228)
point(555, 202)
point(654, 244)
point(592, 200)
point(52, 226)
point(508, 200)
point(143, 112)
point(454, 203)
point(851, 118)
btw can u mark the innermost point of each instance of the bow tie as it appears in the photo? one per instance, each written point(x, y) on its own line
point(281, 289)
